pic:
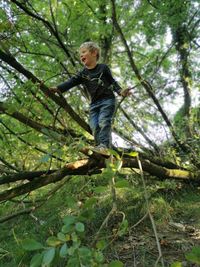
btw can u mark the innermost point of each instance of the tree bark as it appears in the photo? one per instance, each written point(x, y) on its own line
point(182, 41)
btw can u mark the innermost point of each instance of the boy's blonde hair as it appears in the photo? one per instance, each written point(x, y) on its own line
point(91, 46)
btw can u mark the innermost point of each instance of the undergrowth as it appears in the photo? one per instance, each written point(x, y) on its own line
point(127, 234)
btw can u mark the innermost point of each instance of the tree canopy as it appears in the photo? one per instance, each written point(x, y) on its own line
point(151, 46)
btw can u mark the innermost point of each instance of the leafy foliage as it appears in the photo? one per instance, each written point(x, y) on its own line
point(68, 245)
point(194, 255)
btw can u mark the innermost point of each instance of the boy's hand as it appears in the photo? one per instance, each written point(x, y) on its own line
point(54, 90)
point(125, 92)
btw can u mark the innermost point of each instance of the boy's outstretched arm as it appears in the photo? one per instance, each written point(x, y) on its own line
point(55, 90)
point(67, 85)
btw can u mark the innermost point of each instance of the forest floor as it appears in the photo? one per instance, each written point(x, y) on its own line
point(175, 209)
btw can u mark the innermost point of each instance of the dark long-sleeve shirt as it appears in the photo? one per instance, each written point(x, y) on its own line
point(98, 82)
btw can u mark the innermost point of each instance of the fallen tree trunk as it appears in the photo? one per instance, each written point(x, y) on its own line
point(5, 179)
point(162, 172)
point(94, 166)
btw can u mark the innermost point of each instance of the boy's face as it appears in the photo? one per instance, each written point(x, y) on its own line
point(88, 58)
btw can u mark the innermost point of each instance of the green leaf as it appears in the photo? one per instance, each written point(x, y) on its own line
point(132, 154)
point(122, 183)
point(73, 262)
point(67, 228)
point(89, 203)
point(118, 165)
point(100, 189)
point(108, 173)
point(101, 244)
point(53, 241)
point(176, 264)
point(69, 220)
point(80, 227)
point(31, 244)
point(85, 252)
point(194, 255)
point(71, 251)
point(74, 237)
point(36, 260)
point(116, 264)
point(85, 255)
point(61, 237)
point(123, 228)
point(114, 153)
point(48, 256)
point(98, 255)
point(63, 251)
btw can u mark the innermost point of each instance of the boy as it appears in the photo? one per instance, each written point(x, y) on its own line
point(99, 83)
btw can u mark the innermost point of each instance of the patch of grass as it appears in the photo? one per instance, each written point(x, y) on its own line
point(187, 206)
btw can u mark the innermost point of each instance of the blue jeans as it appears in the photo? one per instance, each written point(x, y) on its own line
point(101, 115)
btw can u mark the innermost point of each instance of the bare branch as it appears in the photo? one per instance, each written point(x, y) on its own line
point(151, 143)
point(7, 164)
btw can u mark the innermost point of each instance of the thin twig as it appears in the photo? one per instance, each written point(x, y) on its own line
point(113, 210)
point(138, 222)
point(160, 257)
point(114, 204)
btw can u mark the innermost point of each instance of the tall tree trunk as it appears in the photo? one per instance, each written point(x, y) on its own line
point(182, 42)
